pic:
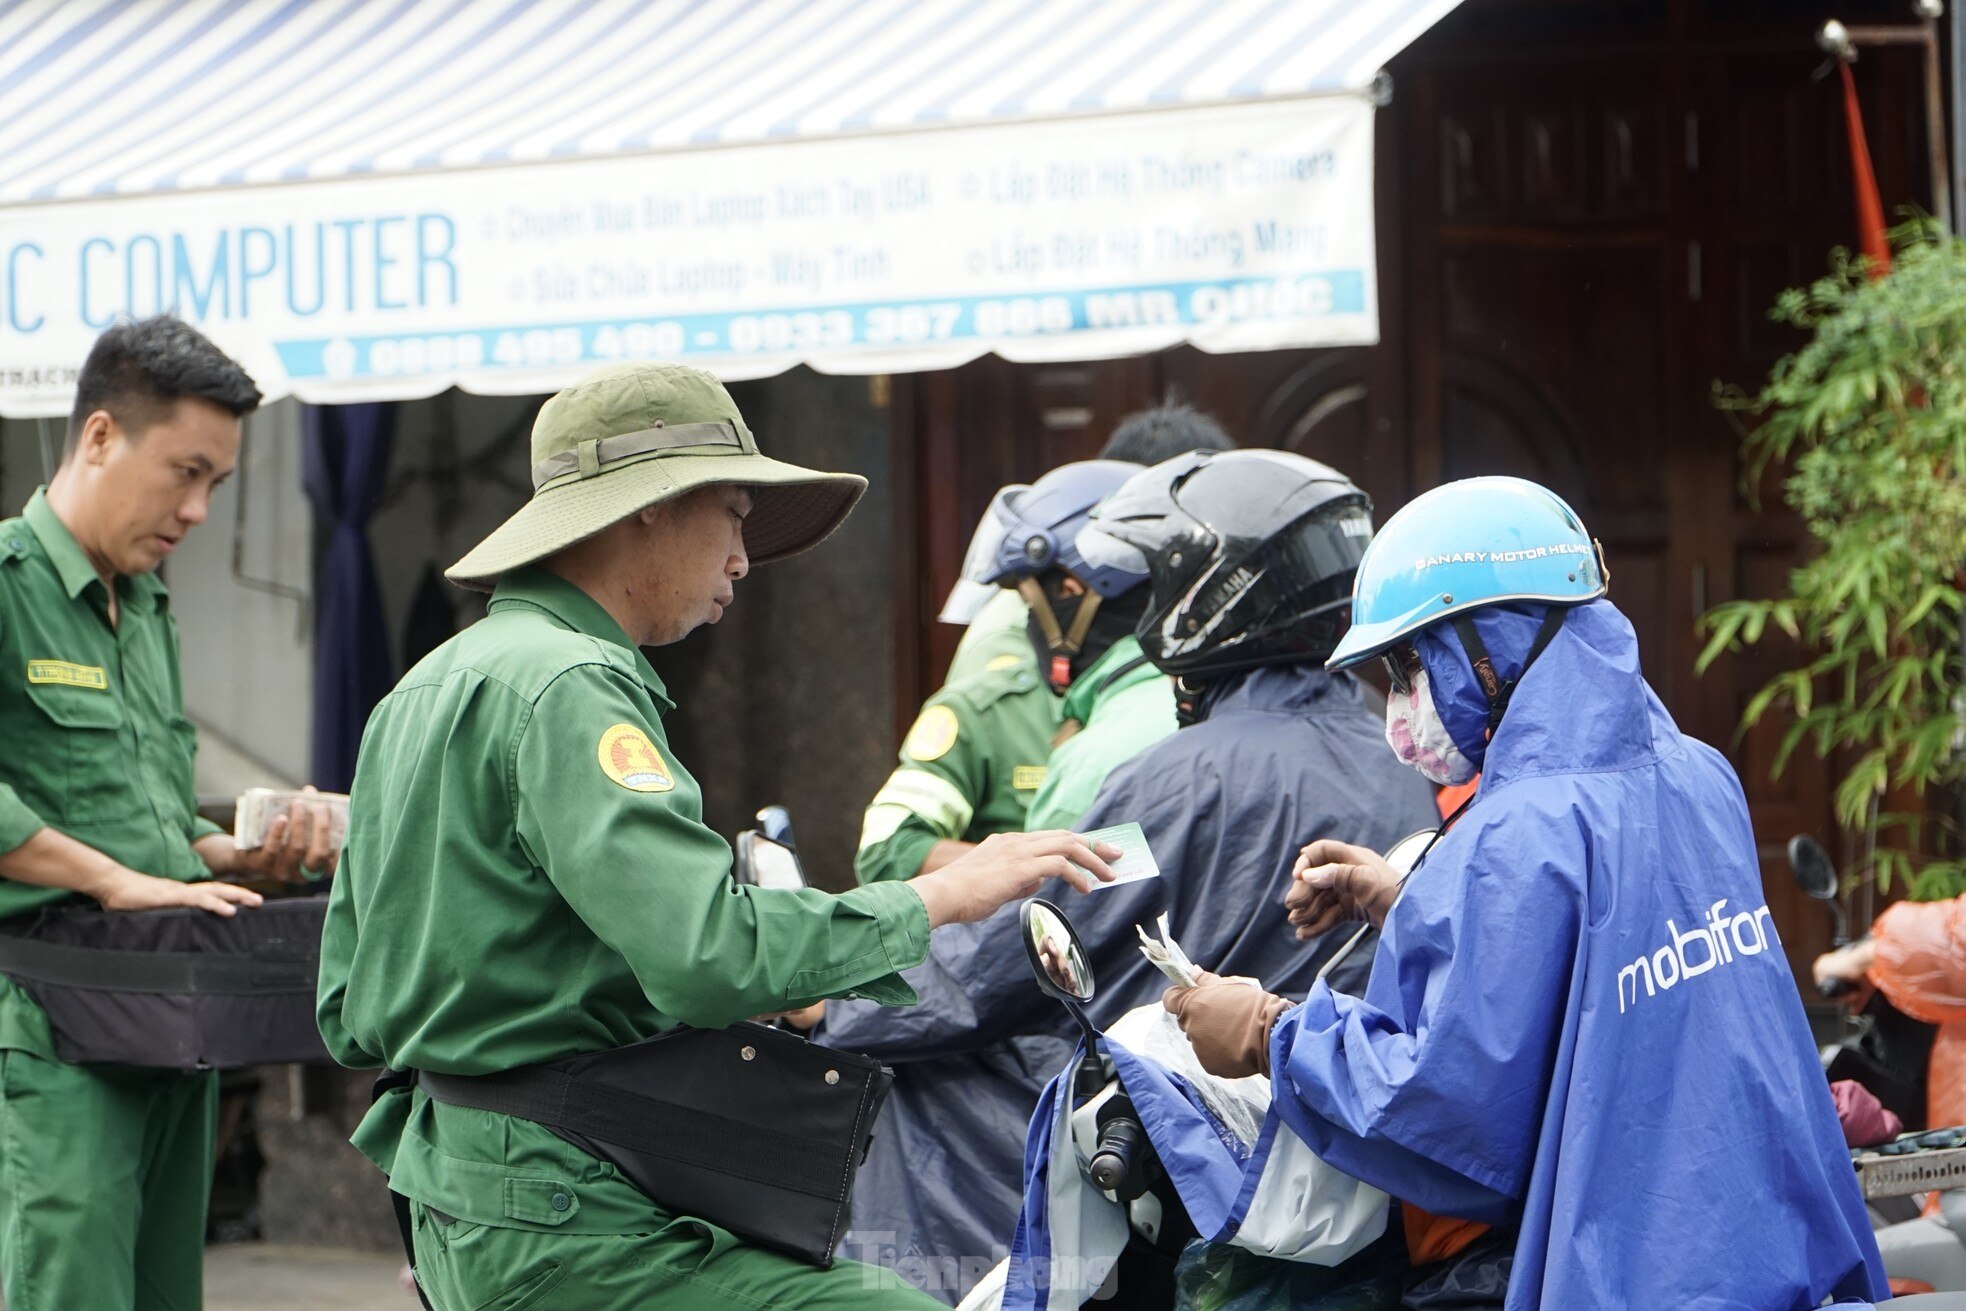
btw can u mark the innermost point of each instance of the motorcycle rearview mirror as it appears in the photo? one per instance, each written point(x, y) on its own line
point(1404, 854)
point(1815, 874)
point(765, 856)
point(775, 822)
point(1059, 961)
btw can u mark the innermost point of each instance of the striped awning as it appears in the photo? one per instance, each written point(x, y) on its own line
point(379, 199)
point(103, 98)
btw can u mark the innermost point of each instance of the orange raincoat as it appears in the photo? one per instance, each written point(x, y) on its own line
point(1921, 968)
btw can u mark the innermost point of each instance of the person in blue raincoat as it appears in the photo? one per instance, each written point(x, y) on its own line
point(1276, 751)
point(1580, 1023)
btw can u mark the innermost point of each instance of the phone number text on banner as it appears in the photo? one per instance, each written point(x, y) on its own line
point(1234, 228)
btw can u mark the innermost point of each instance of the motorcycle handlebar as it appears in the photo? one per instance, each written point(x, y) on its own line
point(1119, 1145)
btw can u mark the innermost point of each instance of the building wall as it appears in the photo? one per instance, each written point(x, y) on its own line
point(243, 591)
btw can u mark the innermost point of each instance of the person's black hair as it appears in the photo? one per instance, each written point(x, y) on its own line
point(139, 369)
point(1150, 436)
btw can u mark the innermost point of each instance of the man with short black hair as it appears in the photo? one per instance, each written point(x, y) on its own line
point(1163, 432)
point(105, 1170)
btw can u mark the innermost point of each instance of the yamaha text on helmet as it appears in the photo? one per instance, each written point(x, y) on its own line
point(1029, 540)
point(1252, 555)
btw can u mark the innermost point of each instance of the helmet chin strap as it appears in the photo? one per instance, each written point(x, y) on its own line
point(1492, 686)
point(1064, 644)
point(1187, 701)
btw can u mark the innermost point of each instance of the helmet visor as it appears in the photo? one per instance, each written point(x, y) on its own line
point(966, 600)
point(983, 566)
point(1101, 550)
point(984, 561)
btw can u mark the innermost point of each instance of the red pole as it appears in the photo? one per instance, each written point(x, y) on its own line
point(1870, 208)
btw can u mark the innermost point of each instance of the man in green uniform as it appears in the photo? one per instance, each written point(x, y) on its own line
point(1082, 618)
point(527, 873)
point(105, 1170)
point(974, 758)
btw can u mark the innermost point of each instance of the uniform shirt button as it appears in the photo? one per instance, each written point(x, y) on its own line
point(561, 1201)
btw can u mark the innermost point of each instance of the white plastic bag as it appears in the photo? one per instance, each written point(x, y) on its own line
point(1238, 1105)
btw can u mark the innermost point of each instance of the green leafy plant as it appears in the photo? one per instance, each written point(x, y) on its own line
point(1868, 423)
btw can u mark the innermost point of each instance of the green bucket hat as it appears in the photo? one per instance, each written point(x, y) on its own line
point(634, 435)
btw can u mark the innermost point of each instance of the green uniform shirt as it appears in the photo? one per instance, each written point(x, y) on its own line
point(527, 876)
point(1123, 716)
point(997, 631)
point(975, 757)
point(93, 716)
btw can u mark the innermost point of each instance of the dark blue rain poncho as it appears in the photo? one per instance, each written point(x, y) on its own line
point(1282, 756)
point(1579, 1020)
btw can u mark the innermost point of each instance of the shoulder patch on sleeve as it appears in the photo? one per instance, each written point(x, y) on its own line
point(988, 685)
point(935, 731)
point(630, 759)
point(1003, 662)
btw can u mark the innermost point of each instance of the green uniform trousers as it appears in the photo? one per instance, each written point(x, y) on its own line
point(105, 1174)
point(684, 1265)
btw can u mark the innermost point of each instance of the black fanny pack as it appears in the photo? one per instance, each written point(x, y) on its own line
point(751, 1128)
point(179, 989)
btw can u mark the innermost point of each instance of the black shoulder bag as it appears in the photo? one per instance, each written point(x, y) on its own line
point(754, 1129)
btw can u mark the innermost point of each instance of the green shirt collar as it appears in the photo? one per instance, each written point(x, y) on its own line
point(1090, 687)
point(71, 562)
point(544, 590)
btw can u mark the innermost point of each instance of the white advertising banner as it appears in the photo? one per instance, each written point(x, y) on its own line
point(1244, 227)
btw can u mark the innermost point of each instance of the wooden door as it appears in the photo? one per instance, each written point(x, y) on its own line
point(1584, 213)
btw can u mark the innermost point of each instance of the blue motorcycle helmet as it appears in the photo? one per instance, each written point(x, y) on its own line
point(1028, 540)
point(1464, 545)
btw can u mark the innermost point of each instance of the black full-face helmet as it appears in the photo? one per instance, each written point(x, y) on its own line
point(1250, 556)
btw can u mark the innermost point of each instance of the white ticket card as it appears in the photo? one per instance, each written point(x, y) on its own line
point(1136, 862)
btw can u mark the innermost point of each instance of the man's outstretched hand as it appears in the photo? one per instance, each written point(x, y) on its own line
point(1007, 866)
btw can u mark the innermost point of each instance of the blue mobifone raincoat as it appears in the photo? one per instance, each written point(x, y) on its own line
point(1580, 1021)
point(1281, 756)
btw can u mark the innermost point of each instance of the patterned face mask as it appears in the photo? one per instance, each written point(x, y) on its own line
point(1419, 738)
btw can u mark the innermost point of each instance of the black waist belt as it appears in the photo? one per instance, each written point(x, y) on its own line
point(751, 1128)
point(107, 969)
point(174, 989)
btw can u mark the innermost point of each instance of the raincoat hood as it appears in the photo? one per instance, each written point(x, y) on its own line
point(1582, 705)
point(1292, 689)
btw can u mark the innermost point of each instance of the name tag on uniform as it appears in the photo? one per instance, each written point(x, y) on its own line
point(1028, 778)
point(66, 674)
